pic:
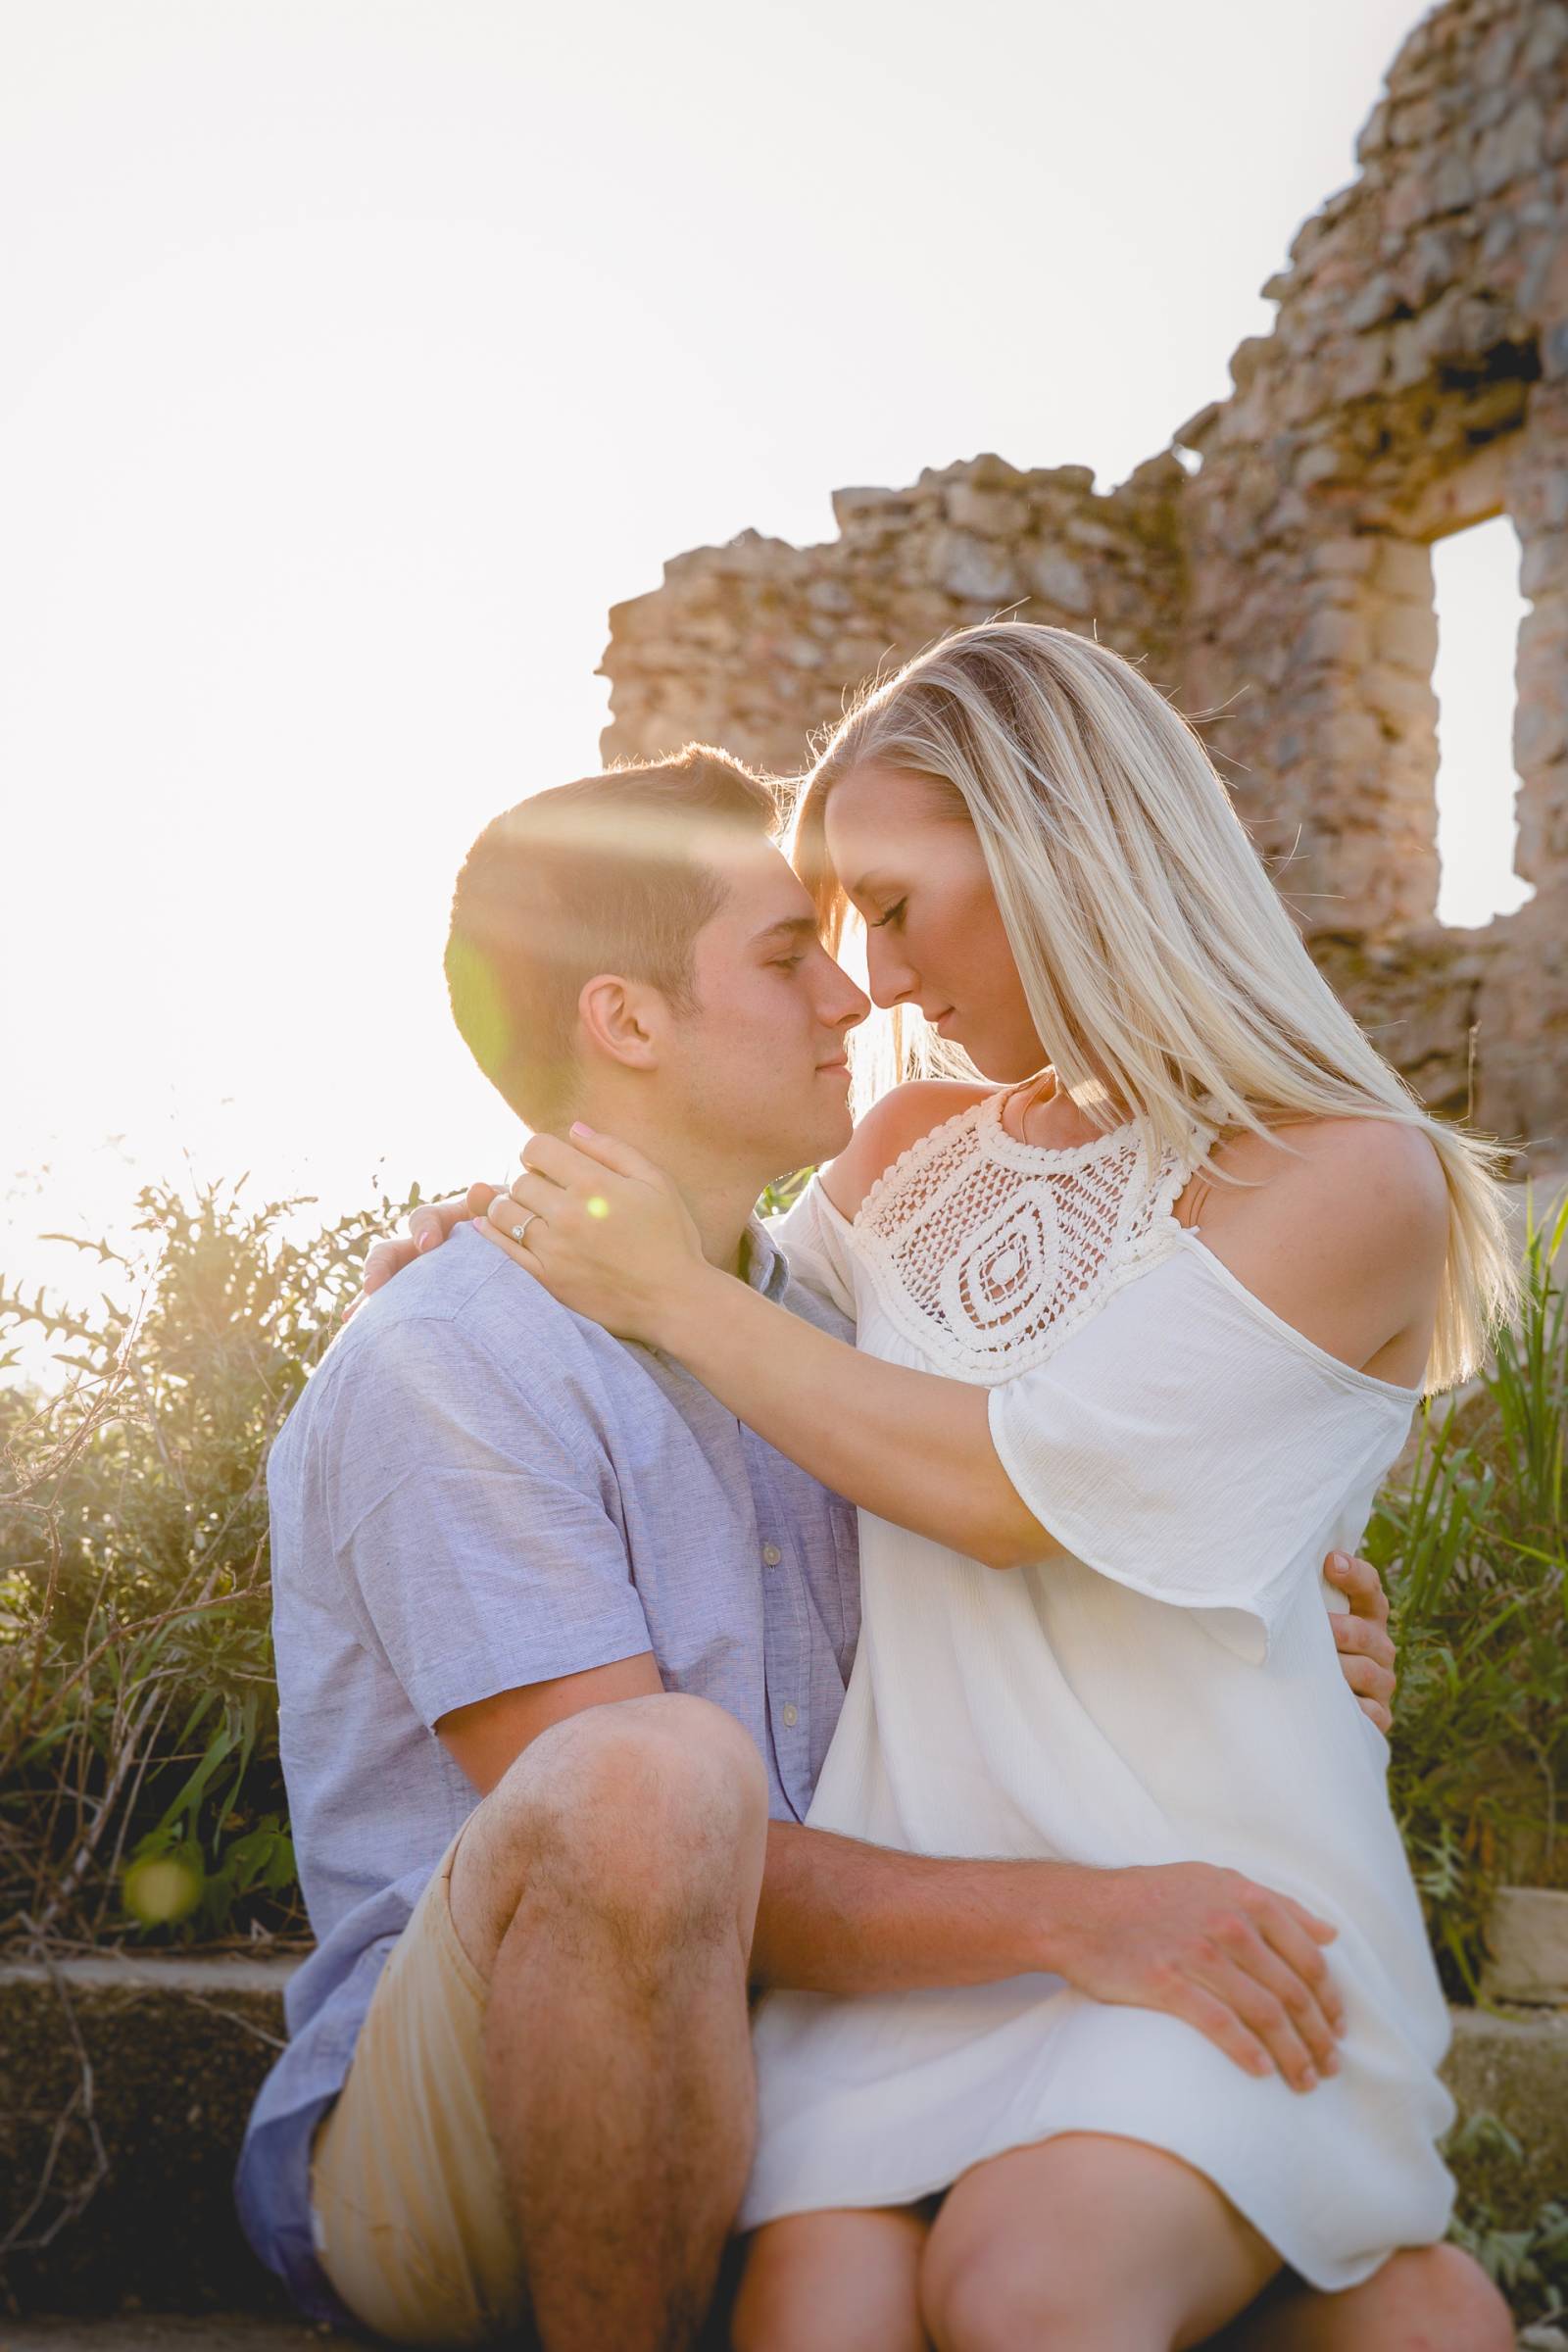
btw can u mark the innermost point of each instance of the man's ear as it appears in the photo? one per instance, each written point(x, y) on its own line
point(621, 1020)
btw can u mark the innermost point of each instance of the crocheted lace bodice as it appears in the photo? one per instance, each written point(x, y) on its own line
point(984, 1253)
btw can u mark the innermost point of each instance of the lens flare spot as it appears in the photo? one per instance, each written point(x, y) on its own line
point(597, 1205)
point(159, 1891)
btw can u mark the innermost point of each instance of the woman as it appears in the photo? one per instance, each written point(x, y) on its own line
point(1063, 1377)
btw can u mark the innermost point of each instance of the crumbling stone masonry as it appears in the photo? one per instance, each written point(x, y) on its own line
point(1272, 569)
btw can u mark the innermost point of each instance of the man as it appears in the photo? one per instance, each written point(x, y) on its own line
point(560, 1647)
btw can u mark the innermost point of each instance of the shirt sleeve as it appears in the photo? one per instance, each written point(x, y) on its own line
point(480, 1549)
point(1188, 1444)
point(815, 1238)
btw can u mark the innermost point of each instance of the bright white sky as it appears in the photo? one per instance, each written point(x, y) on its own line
point(356, 355)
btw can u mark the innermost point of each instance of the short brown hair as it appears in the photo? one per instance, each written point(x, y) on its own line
point(603, 875)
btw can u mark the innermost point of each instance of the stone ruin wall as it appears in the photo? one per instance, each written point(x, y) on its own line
point(1276, 573)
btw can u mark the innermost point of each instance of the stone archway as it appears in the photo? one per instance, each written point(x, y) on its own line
point(1272, 569)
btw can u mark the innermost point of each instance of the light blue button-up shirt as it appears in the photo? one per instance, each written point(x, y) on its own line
point(480, 1489)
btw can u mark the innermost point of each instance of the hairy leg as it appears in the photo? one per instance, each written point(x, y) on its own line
point(608, 1888)
point(1087, 2243)
point(835, 2282)
point(1425, 2299)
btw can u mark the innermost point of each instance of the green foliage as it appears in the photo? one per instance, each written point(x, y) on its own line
point(137, 1708)
point(138, 1716)
point(1523, 2248)
point(141, 1792)
point(784, 1194)
point(1473, 1548)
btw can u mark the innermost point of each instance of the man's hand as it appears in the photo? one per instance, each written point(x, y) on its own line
point(1242, 1965)
point(1367, 1656)
point(428, 1227)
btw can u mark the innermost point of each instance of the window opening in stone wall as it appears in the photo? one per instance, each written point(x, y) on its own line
point(1476, 588)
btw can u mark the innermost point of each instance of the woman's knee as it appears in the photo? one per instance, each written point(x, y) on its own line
point(773, 2314)
point(996, 2299)
point(833, 2282)
point(1439, 2299)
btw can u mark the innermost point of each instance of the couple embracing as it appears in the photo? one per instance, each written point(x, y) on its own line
point(849, 1730)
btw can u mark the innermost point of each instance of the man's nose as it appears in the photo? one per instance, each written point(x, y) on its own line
point(851, 1006)
point(845, 1004)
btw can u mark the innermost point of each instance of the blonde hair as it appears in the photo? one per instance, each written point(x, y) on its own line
point(1158, 962)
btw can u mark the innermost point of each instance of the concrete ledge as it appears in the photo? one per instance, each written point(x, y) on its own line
point(162, 2331)
point(1527, 1936)
point(1515, 2068)
point(177, 2048)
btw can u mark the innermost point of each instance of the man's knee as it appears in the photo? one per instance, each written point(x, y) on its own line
point(1439, 2299)
point(647, 1808)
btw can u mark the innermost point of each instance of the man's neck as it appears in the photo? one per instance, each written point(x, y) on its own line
point(720, 1198)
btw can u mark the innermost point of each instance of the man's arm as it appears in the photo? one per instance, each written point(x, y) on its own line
point(1242, 1964)
point(492, 1733)
point(839, 1916)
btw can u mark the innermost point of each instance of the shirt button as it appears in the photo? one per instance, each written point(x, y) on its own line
point(771, 1555)
point(792, 1716)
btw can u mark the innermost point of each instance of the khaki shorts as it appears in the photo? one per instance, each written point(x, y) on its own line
point(412, 2221)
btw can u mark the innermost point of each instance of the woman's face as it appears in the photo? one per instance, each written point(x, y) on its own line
point(910, 861)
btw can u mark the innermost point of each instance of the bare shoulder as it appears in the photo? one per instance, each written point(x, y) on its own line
point(891, 1126)
point(1343, 1234)
point(1372, 1182)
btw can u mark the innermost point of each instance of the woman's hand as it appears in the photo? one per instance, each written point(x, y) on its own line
point(605, 1231)
point(428, 1227)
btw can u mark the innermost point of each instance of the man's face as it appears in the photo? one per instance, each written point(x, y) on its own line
point(756, 1070)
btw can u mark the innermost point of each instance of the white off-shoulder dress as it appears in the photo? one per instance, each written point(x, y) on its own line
point(1167, 1691)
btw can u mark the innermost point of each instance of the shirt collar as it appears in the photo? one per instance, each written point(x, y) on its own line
point(766, 1267)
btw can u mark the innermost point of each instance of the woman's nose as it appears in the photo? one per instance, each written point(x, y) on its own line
point(889, 976)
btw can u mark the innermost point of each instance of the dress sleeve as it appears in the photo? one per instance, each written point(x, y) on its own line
point(1188, 1443)
point(815, 1238)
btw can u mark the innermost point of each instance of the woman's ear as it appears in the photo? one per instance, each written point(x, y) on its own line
point(619, 1020)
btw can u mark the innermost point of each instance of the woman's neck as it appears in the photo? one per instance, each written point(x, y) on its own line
point(1041, 1111)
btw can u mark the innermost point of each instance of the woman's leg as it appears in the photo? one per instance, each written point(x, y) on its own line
point(835, 2282)
point(1087, 2243)
point(1424, 2299)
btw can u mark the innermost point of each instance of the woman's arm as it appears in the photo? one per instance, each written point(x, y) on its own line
point(613, 1241)
point(1367, 1656)
point(912, 1446)
point(608, 1235)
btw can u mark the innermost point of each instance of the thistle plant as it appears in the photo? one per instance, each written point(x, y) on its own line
point(140, 1791)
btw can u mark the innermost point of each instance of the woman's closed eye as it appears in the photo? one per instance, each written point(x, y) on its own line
point(894, 915)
